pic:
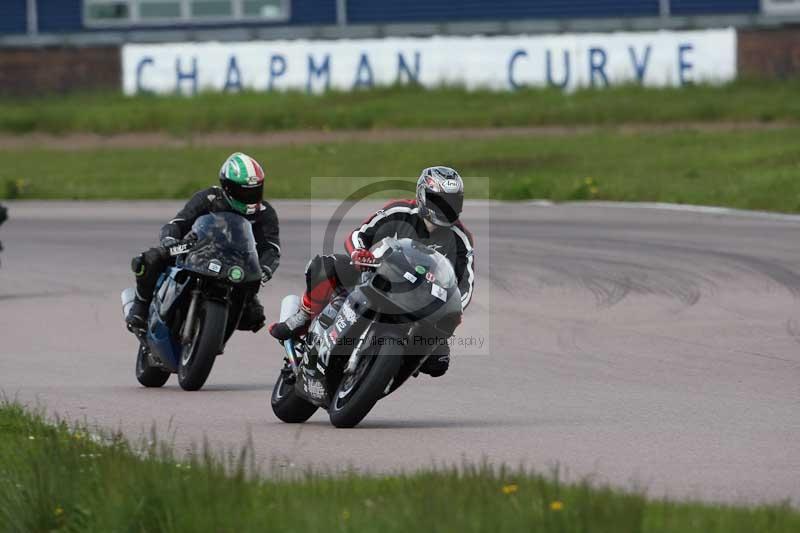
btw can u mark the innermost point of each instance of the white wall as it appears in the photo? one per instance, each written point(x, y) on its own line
point(780, 7)
point(663, 58)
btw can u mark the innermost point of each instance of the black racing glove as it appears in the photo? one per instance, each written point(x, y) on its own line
point(169, 242)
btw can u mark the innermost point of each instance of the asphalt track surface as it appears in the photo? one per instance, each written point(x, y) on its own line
point(646, 347)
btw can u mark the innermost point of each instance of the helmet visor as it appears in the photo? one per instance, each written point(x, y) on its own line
point(247, 194)
point(446, 208)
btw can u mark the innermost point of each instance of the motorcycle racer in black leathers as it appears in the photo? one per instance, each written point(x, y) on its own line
point(241, 191)
point(431, 218)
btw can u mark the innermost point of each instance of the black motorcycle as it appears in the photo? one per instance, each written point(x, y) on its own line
point(365, 344)
point(198, 301)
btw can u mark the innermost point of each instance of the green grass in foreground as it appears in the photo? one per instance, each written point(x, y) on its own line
point(55, 478)
point(745, 169)
point(399, 107)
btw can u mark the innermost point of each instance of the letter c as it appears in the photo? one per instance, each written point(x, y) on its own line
point(516, 55)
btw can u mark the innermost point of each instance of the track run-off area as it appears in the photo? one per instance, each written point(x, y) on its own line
point(650, 347)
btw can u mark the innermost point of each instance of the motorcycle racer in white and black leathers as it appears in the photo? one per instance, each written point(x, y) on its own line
point(431, 218)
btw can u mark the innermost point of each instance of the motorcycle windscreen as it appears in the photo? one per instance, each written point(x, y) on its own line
point(224, 241)
point(416, 279)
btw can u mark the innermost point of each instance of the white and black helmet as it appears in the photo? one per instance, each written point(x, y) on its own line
point(440, 195)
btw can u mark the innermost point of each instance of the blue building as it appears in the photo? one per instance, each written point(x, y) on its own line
point(126, 17)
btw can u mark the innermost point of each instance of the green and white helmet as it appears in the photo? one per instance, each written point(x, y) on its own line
point(242, 180)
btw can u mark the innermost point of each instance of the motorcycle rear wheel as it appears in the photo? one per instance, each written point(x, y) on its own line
point(353, 400)
point(146, 374)
point(197, 357)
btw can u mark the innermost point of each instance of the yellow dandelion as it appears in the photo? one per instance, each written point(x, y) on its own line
point(58, 511)
point(556, 506)
point(593, 191)
point(345, 515)
point(510, 489)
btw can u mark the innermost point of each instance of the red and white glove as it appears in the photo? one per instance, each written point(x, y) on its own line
point(362, 258)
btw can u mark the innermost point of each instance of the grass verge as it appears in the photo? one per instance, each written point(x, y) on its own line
point(399, 107)
point(53, 477)
point(745, 168)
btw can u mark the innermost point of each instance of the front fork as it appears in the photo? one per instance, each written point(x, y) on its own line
point(187, 330)
point(224, 296)
point(355, 357)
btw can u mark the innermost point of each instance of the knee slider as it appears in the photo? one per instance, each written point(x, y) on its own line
point(138, 265)
point(154, 256)
point(151, 260)
point(441, 354)
point(255, 306)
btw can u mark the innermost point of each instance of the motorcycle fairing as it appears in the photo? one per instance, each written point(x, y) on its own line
point(169, 290)
point(335, 331)
point(340, 332)
point(311, 385)
point(162, 343)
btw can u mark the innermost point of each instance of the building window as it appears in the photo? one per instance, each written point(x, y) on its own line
point(159, 9)
point(148, 12)
point(212, 8)
point(107, 11)
point(263, 8)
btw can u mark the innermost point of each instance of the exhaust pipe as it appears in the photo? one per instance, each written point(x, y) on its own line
point(127, 296)
point(289, 306)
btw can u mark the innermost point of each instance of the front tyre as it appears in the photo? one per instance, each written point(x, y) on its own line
point(358, 393)
point(147, 374)
point(286, 404)
point(198, 356)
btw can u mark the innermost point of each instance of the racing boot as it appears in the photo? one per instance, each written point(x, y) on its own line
point(294, 326)
point(137, 316)
point(438, 362)
point(252, 316)
point(314, 301)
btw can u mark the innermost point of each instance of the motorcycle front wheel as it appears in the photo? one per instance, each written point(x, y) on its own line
point(359, 392)
point(198, 356)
